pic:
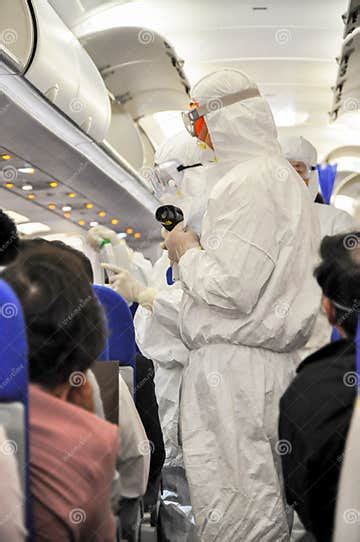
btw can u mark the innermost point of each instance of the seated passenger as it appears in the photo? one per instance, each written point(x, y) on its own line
point(73, 452)
point(316, 410)
point(133, 461)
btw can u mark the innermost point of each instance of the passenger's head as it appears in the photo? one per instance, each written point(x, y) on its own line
point(9, 239)
point(78, 254)
point(65, 323)
point(238, 118)
point(31, 244)
point(339, 278)
point(302, 155)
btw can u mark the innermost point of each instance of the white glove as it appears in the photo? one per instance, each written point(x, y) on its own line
point(178, 242)
point(131, 289)
point(97, 235)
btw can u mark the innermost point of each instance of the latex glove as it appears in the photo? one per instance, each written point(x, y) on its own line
point(165, 233)
point(178, 242)
point(97, 235)
point(131, 289)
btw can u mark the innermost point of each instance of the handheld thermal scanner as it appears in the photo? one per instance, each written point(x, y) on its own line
point(169, 216)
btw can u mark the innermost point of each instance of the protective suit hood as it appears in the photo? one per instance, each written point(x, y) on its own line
point(193, 195)
point(241, 131)
point(299, 149)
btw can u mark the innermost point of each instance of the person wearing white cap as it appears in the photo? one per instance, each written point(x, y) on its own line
point(302, 155)
point(249, 304)
point(158, 335)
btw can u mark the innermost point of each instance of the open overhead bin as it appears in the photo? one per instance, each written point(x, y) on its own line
point(140, 69)
point(49, 56)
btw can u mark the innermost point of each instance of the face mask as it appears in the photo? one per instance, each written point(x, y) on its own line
point(167, 177)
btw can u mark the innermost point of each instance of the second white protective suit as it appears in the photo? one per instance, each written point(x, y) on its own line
point(332, 222)
point(249, 303)
point(158, 338)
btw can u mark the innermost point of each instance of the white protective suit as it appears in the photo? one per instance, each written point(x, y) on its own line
point(158, 337)
point(332, 221)
point(299, 149)
point(118, 253)
point(249, 303)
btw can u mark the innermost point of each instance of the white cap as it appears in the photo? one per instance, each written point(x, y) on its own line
point(300, 149)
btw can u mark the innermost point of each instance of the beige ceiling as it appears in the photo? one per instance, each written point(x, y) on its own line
point(289, 48)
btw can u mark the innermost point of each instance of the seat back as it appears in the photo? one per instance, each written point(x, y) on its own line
point(14, 404)
point(121, 340)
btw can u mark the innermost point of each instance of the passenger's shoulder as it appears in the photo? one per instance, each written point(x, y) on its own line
point(58, 421)
point(320, 377)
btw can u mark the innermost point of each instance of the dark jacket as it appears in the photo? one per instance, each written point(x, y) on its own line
point(315, 414)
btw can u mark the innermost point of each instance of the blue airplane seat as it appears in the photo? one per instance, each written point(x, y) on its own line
point(14, 380)
point(121, 340)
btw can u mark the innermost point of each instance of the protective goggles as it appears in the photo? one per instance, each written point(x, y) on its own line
point(168, 176)
point(193, 119)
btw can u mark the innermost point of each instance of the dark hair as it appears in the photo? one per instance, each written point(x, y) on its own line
point(339, 277)
point(65, 323)
point(9, 239)
point(27, 244)
point(82, 257)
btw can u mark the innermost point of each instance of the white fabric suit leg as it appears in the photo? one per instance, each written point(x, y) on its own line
point(240, 448)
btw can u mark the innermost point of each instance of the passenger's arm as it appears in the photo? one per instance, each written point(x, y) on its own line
point(134, 460)
point(239, 250)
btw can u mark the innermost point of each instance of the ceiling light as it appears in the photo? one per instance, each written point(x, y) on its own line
point(31, 196)
point(289, 117)
point(72, 195)
point(129, 231)
point(82, 222)
point(122, 235)
point(52, 206)
point(27, 186)
point(114, 221)
point(29, 228)
point(170, 122)
point(6, 157)
point(102, 213)
point(29, 170)
point(94, 223)
point(89, 205)
point(16, 217)
point(53, 184)
point(67, 215)
point(67, 208)
point(137, 235)
point(9, 185)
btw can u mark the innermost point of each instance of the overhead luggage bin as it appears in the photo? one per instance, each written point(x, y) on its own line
point(51, 58)
point(140, 69)
point(347, 87)
point(17, 36)
point(352, 17)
